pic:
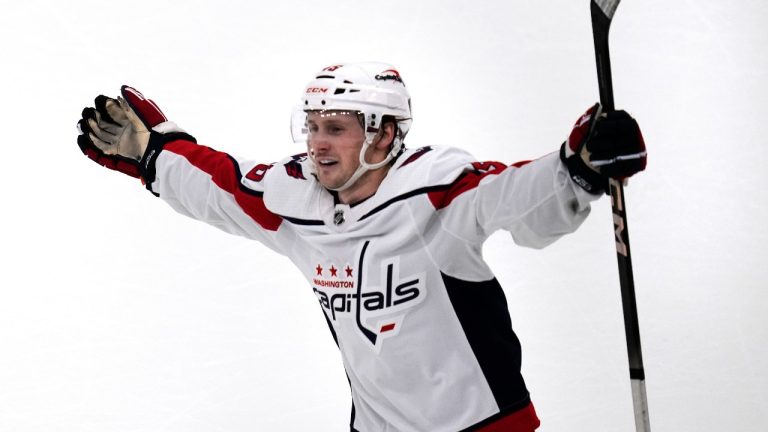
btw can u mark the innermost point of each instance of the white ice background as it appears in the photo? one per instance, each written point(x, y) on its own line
point(116, 314)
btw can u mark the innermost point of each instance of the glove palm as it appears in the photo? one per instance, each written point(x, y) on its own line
point(115, 129)
point(116, 133)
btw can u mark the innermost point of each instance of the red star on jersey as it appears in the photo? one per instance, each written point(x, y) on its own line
point(349, 271)
point(333, 270)
point(319, 270)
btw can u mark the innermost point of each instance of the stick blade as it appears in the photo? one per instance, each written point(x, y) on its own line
point(607, 6)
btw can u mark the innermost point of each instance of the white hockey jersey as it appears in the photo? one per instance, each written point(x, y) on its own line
point(421, 322)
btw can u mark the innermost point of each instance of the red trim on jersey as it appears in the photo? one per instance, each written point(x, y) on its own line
point(467, 181)
point(524, 420)
point(225, 174)
point(521, 163)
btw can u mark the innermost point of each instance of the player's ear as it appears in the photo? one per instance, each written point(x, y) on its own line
point(386, 135)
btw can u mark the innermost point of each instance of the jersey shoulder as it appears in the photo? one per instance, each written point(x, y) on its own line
point(289, 188)
point(425, 168)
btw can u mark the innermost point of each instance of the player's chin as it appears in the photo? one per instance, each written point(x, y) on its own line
point(330, 181)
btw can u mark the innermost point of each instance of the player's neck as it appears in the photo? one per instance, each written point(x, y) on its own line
point(364, 187)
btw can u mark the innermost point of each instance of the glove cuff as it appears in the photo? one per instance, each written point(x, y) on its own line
point(589, 180)
point(157, 142)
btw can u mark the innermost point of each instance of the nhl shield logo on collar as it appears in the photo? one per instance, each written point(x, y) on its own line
point(338, 217)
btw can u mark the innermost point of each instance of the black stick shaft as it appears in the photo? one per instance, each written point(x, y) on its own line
point(602, 14)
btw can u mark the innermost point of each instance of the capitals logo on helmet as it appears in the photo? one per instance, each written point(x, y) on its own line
point(390, 74)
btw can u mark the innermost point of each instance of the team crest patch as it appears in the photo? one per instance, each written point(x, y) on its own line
point(378, 307)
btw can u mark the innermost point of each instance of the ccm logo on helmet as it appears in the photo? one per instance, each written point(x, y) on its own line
point(390, 74)
point(317, 90)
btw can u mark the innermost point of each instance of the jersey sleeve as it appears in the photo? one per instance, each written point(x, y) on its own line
point(208, 185)
point(535, 201)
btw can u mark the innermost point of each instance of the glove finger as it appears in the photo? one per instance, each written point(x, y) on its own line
point(108, 127)
point(131, 116)
point(105, 135)
point(617, 138)
point(82, 124)
point(93, 122)
point(624, 168)
point(117, 162)
point(616, 121)
point(83, 140)
point(91, 144)
point(601, 160)
point(102, 103)
point(115, 111)
point(105, 147)
point(611, 146)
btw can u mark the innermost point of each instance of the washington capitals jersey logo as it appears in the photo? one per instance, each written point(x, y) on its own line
point(378, 309)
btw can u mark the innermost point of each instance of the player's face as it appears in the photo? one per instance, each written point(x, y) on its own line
point(335, 140)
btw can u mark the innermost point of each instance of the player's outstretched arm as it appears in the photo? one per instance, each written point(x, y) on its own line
point(541, 201)
point(602, 146)
point(131, 134)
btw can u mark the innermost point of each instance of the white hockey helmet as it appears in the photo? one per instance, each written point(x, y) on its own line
point(372, 90)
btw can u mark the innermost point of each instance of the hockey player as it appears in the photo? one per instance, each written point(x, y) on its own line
point(389, 238)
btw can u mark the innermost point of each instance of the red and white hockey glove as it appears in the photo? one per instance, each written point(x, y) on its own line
point(602, 146)
point(116, 133)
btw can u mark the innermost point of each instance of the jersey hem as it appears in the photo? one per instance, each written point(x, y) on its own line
point(518, 418)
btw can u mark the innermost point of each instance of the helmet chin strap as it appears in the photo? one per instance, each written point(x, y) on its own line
point(365, 166)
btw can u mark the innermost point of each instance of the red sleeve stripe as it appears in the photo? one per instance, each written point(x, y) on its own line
point(442, 198)
point(225, 173)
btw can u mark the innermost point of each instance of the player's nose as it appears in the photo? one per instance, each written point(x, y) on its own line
point(319, 143)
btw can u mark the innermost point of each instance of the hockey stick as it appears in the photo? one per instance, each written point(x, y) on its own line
point(602, 14)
